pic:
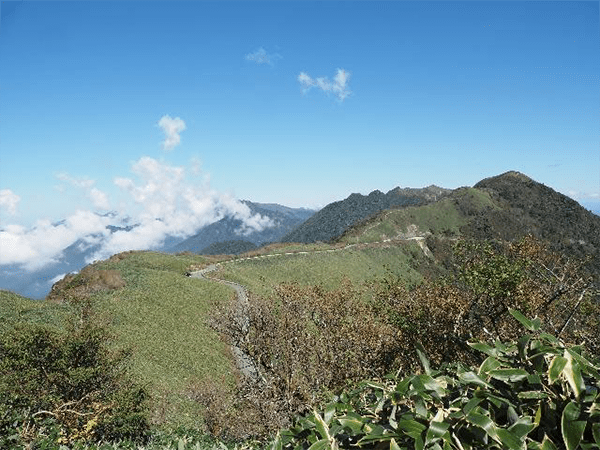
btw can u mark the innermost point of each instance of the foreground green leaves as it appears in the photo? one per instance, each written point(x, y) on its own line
point(537, 393)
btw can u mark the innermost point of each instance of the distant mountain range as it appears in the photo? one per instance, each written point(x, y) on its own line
point(506, 207)
point(516, 205)
point(229, 229)
point(335, 218)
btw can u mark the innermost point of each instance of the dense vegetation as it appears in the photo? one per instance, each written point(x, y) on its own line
point(61, 385)
point(309, 341)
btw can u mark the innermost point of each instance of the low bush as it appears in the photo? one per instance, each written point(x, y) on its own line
point(534, 393)
point(491, 278)
point(306, 342)
point(64, 386)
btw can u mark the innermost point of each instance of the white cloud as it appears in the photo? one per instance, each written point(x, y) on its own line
point(159, 202)
point(171, 127)
point(57, 278)
point(168, 204)
point(99, 199)
point(9, 201)
point(261, 56)
point(43, 244)
point(339, 86)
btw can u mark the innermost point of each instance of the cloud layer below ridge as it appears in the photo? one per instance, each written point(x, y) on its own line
point(159, 201)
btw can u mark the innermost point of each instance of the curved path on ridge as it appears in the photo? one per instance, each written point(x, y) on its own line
point(243, 361)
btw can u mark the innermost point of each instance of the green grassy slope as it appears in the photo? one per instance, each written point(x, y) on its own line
point(444, 217)
point(161, 314)
point(15, 308)
point(328, 266)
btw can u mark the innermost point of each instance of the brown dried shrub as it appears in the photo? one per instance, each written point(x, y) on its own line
point(306, 342)
point(494, 277)
point(85, 283)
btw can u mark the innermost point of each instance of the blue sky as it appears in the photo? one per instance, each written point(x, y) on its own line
point(299, 103)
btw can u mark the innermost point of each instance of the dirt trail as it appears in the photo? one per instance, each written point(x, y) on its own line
point(243, 361)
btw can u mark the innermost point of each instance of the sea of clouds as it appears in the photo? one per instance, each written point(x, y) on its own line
point(157, 201)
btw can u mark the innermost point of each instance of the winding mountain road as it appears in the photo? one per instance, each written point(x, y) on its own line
point(244, 362)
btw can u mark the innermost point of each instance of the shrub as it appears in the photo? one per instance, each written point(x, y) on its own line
point(491, 278)
point(67, 385)
point(533, 393)
point(306, 342)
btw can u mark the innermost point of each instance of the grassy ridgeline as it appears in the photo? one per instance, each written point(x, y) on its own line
point(326, 267)
point(15, 308)
point(161, 314)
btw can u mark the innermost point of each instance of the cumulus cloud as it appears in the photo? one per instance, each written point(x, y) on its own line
point(9, 201)
point(260, 56)
point(171, 205)
point(171, 128)
point(339, 86)
point(160, 200)
point(43, 244)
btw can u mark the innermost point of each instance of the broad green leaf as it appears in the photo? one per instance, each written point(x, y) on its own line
point(506, 438)
point(530, 325)
point(538, 416)
point(522, 427)
point(534, 378)
point(403, 386)
point(436, 431)
point(472, 403)
point(510, 375)
point(490, 363)
point(322, 444)
point(321, 426)
point(596, 432)
point(484, 348)
point(472, 378)
point(572, 429)
point(329, 413)
point(483, 422)
point(420, 407)
point(354, 424)
point(556, 367)
point(423, 357)
point(585, 364)
point(572, 373)
point(432, 384)
point(411, 427)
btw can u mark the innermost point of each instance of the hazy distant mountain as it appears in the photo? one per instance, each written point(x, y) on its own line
point(229, 228)
point(335, 218)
